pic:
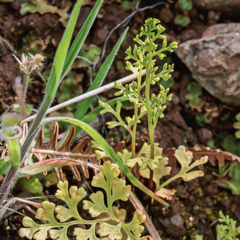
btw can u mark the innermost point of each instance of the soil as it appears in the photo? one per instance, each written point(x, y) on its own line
point(196, 204)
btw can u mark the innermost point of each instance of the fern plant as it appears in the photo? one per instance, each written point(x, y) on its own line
point(144, 55)
point(229, 231)
point(149, 158)
point(108, 222)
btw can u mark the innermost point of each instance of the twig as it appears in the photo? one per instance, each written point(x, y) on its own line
point(87, 95)
point(67, 154)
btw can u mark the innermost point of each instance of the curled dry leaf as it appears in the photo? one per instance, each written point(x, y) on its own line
point(51, 151)
point(82, 151)
point(218, 154)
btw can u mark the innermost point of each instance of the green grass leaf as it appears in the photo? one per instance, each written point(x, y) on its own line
point(79, 40)
point(54, 78)
point(59, 60)
point(59, 69)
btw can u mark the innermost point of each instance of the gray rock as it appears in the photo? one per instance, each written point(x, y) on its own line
point(218, 5)
point(214, 61)
point(174, 225)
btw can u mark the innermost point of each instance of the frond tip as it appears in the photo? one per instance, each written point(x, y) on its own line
point(108, 221)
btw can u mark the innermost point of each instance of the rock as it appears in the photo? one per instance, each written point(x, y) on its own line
point(204, 135)
point(209, 201)
point(188, 35)
point(166, 15)
point(218, 5)
point(214, 61)
point(213, 17)
point(174, 225)
point(182, 191)
point(100, 36)
point(211, 189)
point(191, 138)
point(175, 99)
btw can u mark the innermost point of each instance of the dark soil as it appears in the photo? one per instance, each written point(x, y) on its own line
point(196, 204)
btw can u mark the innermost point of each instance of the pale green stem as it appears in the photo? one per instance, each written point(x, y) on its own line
point(134, 131)
point(175, 177)
point(148, 105)
point(180, 174)
point(156, 119)
point(123, 124)
point(109, 202)
point(155, 123)
point(81, 221)
point(169, 180)
point(150, 120)
point(139, 79)
point(149, 110)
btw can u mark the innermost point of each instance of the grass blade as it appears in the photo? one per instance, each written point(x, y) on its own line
point(79, 40)
point(55, 75)
point(59, 60)
point(49, 164)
